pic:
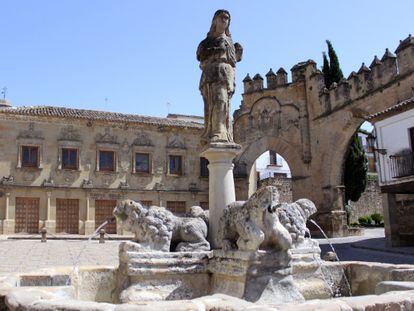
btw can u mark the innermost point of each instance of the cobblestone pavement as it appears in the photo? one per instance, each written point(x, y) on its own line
point(29, 255)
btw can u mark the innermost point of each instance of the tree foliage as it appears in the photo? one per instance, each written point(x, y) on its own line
point(335, 72)
point(355, 171)
point(325, 70)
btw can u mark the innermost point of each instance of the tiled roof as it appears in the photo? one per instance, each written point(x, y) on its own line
point(61, 112)
point(402, 106)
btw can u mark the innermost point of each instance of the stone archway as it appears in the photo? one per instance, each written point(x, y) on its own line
point(311, 126)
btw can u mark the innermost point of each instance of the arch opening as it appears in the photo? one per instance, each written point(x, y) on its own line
point(271, 169)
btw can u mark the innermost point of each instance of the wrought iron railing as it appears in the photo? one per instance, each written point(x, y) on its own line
point(402, 164)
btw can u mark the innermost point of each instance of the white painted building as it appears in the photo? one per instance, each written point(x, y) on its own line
point(271, 164)
point(394, 130)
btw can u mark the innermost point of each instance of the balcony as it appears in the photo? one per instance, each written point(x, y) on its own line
point(402, 164)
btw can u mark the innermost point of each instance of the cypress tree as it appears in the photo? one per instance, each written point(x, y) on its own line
point(326, 70)
point(355, 175)
point(335, 72)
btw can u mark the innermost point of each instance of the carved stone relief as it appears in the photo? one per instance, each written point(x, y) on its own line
point(30, 133)
point(69, 133)
point(142, 139)
point(106, 137)
point(176, 142)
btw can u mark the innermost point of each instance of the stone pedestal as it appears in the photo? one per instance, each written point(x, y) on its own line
point(153, 275)
point(8, 226)
point(221, 184)
point(50, 226)
point(264, 277)
point(89, 227)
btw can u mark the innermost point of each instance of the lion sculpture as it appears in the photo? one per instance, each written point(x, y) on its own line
point(293, 216)
point(254, 224)
point(158, 229)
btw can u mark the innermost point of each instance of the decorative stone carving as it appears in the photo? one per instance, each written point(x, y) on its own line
point(87, 183)
point(7, 180)
point(48, 182)
point(69, 133)
point(157, 229)
point(254, 224)
point(176, 142)
point(30, 133)
point(124, 185)
point(142, 140)
point(106, 137)
point(218, 56)
point(293, 217)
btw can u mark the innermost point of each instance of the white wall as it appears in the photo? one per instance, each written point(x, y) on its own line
point(392, 134)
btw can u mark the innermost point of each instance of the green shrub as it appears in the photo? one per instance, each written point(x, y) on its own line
point(377, 218)
point(354, 224)
point(365, 220)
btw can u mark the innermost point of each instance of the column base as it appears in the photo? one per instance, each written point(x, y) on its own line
point(261, 276)
point(89, 227)
point(50, 226)
point(8, 226)
point(333, 223)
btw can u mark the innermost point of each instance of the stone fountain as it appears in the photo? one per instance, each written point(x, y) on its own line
point(256, 254)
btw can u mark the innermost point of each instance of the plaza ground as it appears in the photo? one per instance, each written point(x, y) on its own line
point(24, 255)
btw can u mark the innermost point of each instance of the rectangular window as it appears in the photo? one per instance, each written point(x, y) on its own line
point(142, 163)
point(69, 158)
point(30, 156)
point(107, 161)
point(412, 138)
point(176, 207)
point(203, 167)
point(176, 164)
point(146, 202)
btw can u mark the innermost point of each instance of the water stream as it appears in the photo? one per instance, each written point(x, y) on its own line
point(336, 255)
point(75, 270)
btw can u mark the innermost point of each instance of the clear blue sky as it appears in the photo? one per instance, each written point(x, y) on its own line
point(141, 54)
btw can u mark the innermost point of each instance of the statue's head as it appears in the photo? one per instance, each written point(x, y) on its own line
point(220, 24)
point(128, 209)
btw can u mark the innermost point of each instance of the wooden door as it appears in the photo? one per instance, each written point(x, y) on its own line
point(177, 207)
point(103, 212)
point(27, 215)
point(67, 216)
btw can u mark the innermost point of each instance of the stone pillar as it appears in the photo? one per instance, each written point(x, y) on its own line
point(8, 222)
point(89, 224)
point(391, 228)
point(50, 223)
point(221, 184)
point(6, 214)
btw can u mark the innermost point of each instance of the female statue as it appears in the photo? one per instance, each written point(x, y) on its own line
point(218, 56)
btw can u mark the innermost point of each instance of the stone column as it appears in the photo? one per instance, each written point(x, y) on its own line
point(89, 224)
point(50, 223)
point(6, 216)
point(49, 194)
point(221, 184)
point(8, 222)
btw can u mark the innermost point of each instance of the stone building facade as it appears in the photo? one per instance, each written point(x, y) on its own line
point(65, 169)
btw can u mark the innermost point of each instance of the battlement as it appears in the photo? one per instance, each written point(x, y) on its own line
point(367, 79)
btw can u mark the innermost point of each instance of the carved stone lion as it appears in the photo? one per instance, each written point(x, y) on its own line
point(254, 224)
point(156, 228)
point(293, 217)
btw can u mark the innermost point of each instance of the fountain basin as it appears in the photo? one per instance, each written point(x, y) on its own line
point(94, 287)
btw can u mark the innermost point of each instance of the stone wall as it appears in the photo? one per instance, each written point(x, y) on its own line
point(283, 185)
point(369, 203)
